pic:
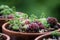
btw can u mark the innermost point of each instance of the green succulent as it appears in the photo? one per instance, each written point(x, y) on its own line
point(24, 27)
point(43, 15)
point(32, 17)
point(24, 16)
point(6, 10)
point(4, 7)
point(55, 33)
point(15, 27)
point(16, 24)
point(44, 22)
point(16, 15)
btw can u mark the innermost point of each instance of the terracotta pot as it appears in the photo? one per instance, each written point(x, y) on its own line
point(2, 21)
point(20, 35)
point(45, 35)
point(6, 37)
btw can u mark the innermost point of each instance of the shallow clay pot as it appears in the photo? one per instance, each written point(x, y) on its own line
point(6, 37)
point(4, 20)
point(47, 35)
point(20, 35)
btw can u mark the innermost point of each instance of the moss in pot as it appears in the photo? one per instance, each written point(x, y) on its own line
point(26, 28)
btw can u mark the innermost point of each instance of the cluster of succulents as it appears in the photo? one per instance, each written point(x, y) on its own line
point(5, 10)
point(24, 23)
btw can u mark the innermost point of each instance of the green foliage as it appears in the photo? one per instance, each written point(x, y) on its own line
point(35, 6)
point(24, 16)
point(15, 27)
point(4, 7)
point(6, 10)
point(55, 33)
point(16, 15)
point(44, 22)
point(16, 22)
point(42, 15)
point(32, 17)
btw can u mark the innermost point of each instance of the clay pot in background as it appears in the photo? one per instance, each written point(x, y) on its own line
point(6, 37)
point(2, 21)
point(47, 35)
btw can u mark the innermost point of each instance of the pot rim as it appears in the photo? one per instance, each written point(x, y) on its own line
point(4, 28)
point(8, 38)
point(47, 34)
point(39, 37)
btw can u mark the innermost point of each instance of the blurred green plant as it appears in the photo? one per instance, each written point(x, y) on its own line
point(34, 6)
point(55, 33)
point(5, 10)
point(32, 17)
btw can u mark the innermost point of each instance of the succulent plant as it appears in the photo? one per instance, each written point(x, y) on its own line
point(25, 16)
point(29, 24)
point(27, 21)
point(4, 7)
point(5, 10)
point(33, 27)
point(52, 21)
point(32, 18)
point(55, 33)
point(44, 22)
point(41, 26)
point(42, 15)
point(24, 28)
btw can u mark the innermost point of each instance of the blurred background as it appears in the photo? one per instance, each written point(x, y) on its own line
point(50, 8)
